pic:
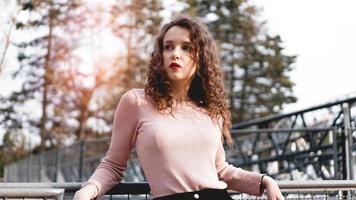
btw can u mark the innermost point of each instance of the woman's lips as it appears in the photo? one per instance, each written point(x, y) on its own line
point(174, 66)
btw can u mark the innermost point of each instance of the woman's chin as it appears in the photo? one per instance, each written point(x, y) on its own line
point(175, 78)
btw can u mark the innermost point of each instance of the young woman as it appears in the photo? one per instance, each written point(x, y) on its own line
point(178, 124)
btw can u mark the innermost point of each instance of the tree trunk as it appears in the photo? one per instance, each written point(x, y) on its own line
point(46, 83)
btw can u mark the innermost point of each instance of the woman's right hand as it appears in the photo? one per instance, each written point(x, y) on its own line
point(81, 195)
point(87, 192)
point(272, 189)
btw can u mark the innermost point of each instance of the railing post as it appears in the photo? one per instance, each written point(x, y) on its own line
point(28, 171)
point(29, 158)
point(81, 160)
point(40, 166)
point(57, 166)
point(348, 141)
point(335, 154)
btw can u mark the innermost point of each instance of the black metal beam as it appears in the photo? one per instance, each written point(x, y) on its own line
point(269, 119)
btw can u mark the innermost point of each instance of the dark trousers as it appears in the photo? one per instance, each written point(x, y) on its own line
point(205, 194)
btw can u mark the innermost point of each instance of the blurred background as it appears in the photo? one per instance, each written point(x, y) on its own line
point(64, 65)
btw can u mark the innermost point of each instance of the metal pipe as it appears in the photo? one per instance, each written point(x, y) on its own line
point(281, 130)
point(348, 142)
point(335, 156)
point(57, 194)
point(81, 160)
point(268, 119)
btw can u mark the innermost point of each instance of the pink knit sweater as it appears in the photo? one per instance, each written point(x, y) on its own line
point(178, 153)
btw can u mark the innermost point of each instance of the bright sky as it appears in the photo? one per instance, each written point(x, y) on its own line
point(323, 35)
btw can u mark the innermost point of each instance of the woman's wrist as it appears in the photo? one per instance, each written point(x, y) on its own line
point(266, 180)
point(262, 177)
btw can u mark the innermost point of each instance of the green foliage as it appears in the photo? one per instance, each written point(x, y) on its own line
point(255, 66)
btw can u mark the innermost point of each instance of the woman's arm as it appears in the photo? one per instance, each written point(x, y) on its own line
point(272, 189)
point(110, 170)
point(245, 181)
point(236, 178)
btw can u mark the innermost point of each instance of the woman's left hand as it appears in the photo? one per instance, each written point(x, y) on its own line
point(272, 189)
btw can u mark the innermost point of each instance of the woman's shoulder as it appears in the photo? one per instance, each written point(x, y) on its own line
point(138, 95)
point(137, 91)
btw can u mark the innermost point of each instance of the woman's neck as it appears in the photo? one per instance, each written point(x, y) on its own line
point(180, 92)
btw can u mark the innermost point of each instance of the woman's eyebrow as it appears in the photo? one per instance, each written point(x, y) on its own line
point(170, 41)
point(187, 43)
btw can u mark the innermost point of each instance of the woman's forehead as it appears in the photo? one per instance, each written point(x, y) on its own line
point(177, 34)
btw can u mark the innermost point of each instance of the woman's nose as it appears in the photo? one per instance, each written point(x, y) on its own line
point(176, 53)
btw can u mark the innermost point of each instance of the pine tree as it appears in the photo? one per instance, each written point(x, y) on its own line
point(40, 55)
point(135, 24)
point(137, 33)
point(52, 82)
point(255, 65)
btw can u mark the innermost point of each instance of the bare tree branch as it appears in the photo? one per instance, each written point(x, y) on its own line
point(7, 40)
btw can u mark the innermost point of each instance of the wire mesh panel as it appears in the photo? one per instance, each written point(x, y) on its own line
point(48, 166)
point(32, 168)
point(69, 159)
point(93, 152)
point(69, 164)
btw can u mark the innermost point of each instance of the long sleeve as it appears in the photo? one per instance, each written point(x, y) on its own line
point(237, 178)
point(110, 170)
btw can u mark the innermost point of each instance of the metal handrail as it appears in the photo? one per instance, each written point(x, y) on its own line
point(282, 130)
point(56, 194)
point(317, 185)
point(143, 187)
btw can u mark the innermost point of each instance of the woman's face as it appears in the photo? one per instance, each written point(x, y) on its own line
point(178, 56)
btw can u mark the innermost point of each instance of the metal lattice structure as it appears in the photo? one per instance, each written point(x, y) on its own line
point(315, 143)
point(311, 144)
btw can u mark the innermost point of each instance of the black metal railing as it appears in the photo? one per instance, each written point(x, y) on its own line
point(292, 190)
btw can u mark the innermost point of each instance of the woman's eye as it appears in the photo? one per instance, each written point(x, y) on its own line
point(187, 48)
point(167, 47)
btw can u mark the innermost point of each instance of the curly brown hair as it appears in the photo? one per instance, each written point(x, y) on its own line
point(207, 89)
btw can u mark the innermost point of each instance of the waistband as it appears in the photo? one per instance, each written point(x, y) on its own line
point(220, 194)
